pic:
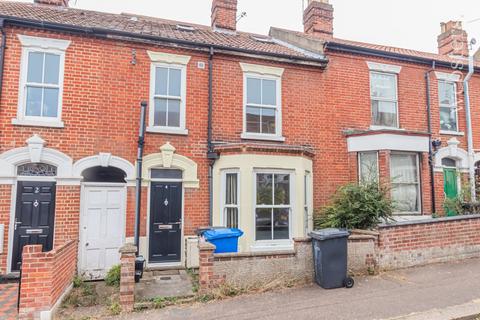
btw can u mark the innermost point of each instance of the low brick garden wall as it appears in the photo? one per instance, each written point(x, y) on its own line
point(408, 244)
point(392, 246)
point(46, 278)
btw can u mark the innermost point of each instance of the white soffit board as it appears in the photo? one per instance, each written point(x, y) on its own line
point(387, 142)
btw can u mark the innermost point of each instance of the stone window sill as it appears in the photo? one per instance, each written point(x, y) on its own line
point(36, 123)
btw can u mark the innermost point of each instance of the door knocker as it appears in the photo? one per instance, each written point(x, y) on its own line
point(35, 204)
point(165, 202)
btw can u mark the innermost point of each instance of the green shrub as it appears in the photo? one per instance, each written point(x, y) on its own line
point(77, 282)
point(113, 276)
point(357, 206)
point(115, 308)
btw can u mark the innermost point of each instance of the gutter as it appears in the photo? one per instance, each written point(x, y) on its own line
point(388, 55)
point(3, 46)
point(471, 152)
point(430, 151)
point(105, 33)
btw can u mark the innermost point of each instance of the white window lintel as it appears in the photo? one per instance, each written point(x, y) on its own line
point(452, 77)
point(168, 58)
point(43, 43)
point(262, 70)
point(382, 67)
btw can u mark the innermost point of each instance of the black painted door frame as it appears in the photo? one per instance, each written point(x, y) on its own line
point(34, 219)
point(165, 222)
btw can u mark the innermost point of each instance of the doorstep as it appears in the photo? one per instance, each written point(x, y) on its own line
point(157, 284)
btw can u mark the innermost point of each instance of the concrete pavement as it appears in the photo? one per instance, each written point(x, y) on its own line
point(418, 293)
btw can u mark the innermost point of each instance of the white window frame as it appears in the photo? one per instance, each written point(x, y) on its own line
point(286, 243)
point(307, 200)
point(46, 46)
point(223, 205)
point(359, 165)
point(419, 182)
point(263, 73)
point(455, 106)
point(372, 98)
point(183, 95)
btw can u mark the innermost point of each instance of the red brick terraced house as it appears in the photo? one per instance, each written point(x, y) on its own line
point(72, 85)
point(393, 109)
point(243, 130)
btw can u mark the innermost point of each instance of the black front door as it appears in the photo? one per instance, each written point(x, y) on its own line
point(165, 222)
point(34, 218)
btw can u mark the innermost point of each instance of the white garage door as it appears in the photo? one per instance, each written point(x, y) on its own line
point(102, 229)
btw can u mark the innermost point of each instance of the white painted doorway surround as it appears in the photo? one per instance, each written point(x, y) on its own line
point(102, 228)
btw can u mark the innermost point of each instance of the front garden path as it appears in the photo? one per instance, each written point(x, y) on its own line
point(389, 295)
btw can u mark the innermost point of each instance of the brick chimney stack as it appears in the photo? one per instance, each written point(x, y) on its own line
point(224, 14)
point(58, 3)
point(453, 40)
point(318, 18)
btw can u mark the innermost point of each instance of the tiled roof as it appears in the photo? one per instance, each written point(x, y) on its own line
point(146, 26)
point(381, 48)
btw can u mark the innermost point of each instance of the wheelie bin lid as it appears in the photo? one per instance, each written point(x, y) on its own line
point(330, 233)
point(222, 233)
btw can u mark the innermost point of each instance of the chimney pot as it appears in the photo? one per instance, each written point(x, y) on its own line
point(58, 3)
point(453, 40)
point(224, 14)
point(318, 18)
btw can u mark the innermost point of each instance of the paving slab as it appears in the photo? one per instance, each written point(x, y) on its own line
point(164, 284)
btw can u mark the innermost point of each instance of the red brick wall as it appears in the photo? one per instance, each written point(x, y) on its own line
point(5, 199)
point(444, 239)
point(45, 277)
point(67, 214)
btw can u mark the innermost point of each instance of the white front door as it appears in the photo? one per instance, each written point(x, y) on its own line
point(102, 229)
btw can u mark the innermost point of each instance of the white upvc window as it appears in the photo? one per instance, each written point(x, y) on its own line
point(168, 82)
point(41, 81)
point(405, 176)
point(306, 201)
point(447, 94)
point(368, 166)
point(262, 118)
point(384, 97)
point(273, 206)
point(230, 198)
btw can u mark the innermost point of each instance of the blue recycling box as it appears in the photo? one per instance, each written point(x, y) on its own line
point(225, 239)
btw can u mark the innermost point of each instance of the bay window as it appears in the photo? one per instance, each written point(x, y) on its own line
point(404, 172)
point(367, 166)
point(383, 90)
point(273, 206)
point(230, 204)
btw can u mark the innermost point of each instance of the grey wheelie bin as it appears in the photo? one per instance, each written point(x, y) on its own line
point(330, 258)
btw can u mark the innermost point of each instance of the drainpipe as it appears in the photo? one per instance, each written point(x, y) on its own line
point(211, 154)
point(138, 198)
point(430, 151)
point(2, 53)
point(471, 153)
